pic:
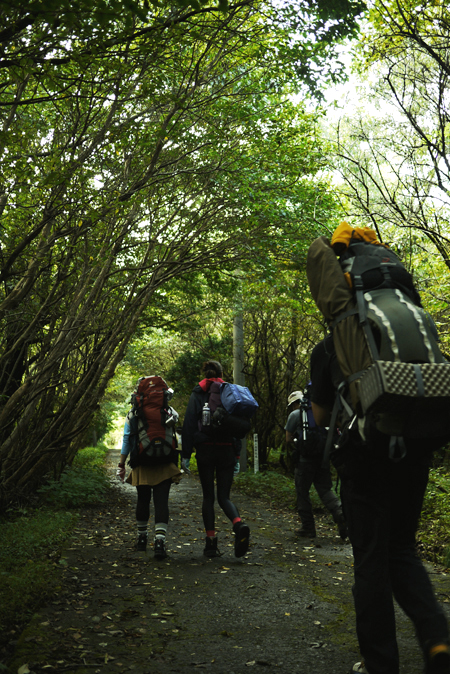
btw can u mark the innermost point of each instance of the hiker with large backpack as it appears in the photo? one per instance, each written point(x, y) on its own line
point(380, 377)
point(149, 441)
point(307, 442)
point(211, 430)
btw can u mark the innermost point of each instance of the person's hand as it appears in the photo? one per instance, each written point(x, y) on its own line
point(237, 468)
point(185, 465)
point(120, 472)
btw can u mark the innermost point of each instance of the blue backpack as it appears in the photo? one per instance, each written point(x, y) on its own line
point(238, 400)
point(231, 406)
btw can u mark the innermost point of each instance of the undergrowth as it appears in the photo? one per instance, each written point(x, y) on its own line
point(32, 539)
point(435, 520)
point(82, 484)
point(29, 554)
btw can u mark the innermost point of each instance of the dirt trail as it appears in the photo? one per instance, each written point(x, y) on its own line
point(285, 607)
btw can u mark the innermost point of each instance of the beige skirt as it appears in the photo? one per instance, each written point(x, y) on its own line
point(154, 475)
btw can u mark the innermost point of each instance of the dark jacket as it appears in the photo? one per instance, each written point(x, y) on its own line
point(190, 434)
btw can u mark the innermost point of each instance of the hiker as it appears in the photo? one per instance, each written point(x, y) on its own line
point(307, 443)
point(371, 377)
point(151, 475)
point(382, 501)
point(216, 457)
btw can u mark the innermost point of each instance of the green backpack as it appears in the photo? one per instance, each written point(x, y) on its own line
point(397, 380)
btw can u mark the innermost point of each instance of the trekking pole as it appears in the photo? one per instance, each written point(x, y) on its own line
point(304, 421)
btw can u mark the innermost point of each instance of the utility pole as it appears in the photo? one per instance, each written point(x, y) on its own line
point(238, 367)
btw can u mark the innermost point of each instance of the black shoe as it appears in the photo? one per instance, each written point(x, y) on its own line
point(160, 549)
point(438, 660)
point(141, 544)
point(306, 533)
point(241, 540)
point(210, 549)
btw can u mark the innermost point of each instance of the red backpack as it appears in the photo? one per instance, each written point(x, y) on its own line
point(152, 424)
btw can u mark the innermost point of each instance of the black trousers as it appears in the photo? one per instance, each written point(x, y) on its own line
point(216, 462)
point(308, 473)
point(382, 501)
point(160, 501)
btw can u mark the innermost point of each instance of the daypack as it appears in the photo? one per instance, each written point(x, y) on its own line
point(309, 439)
point(386, 344)
point(230, 408)
point(152, 424)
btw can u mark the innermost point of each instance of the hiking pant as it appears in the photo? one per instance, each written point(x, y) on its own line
point(160, 501)
point(216, 461)
point(382, 501)
point(308, 473)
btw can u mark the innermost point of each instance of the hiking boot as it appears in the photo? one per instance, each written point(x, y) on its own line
point(438, 660)
point(358, 668)
point(241, 539)
point(141, 545)
point(210, 549)
point(160, 549)
point(304, 532)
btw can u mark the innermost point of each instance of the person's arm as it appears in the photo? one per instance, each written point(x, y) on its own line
point(126, 447)
point(291, 425)
point(322, 388)
point(190, 426)
point(289, 437)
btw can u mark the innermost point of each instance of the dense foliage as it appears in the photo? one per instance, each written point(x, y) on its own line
point(392, 153)
point(139, 150)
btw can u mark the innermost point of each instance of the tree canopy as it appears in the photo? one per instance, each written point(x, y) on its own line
point(140, 145)
point(393, 154)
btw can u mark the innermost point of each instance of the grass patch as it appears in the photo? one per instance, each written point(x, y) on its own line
point(82, 484)
point(32, 541)
point(31, 547)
